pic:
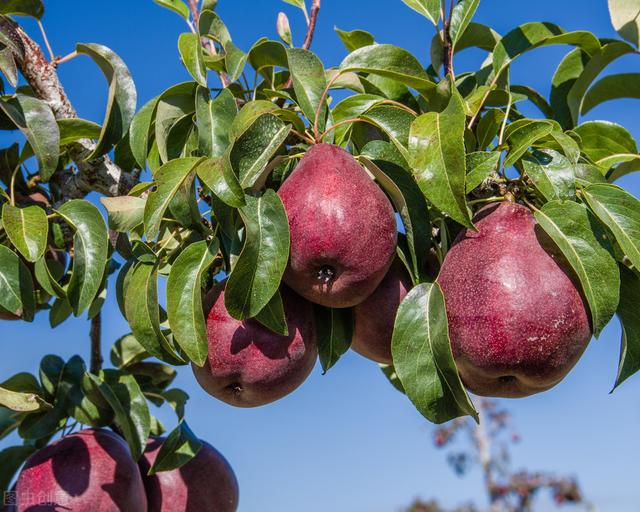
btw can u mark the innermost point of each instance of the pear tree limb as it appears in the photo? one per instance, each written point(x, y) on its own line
point(101, 175)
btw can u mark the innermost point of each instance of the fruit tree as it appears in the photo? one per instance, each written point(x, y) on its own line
point(293, 209)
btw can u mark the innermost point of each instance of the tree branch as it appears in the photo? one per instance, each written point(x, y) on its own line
point(96, 350)
point(313, 19)
point(447, 46)
point(100, 175)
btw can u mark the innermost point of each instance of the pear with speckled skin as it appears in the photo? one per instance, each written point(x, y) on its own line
point(373, 319)
point(343, 228)
point(517, 320)
point(248, 365)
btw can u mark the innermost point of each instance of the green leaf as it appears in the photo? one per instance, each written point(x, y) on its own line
point(11, 459)
point(72, 130)
point(190, 49)
point(126, 351)
point(235, 60)
point(177, 6)
point(437, 157)
point(334, 330)
point(210, 25)
point(551, 173)
point(60, 311)
point(263, 259)
point(124, 212)
point(170, 177)
point(628, 314)
point(390, 373)
point(350, 108)
point(422, 356)
point(430, 9)
point(620, 212)
point(408, 201)
point(16, 285)
point(51, 368)
point(129, 405)
point(143, 312)
point(583, 242)
point(121, 102)
point(177, 399)
point(175, 104)
point(575, 75)
point(8, 65)
point(213, 118)
point(309, 82)
point(355, 39)
point(300, 4)
point(8, 422)
point(184, 299)
point(587, 174)
point(91, 246)
point(272, 316)
point(253, 150)
point(391, 62)
point(217, 174)
point(602, 139)
point(34, 8)
point(488, 127)
point(612, 87)
point(27, 228)
point(22, 402)
point(480, 165)
point(625, 16)
point(534, 97)
point(140, 129)
point(36, 121)
point(179, 448)
point(266, 54)
point(88, 410)
point(394, 122)
point(461, 17)
point(521, 135)
point(535, 34)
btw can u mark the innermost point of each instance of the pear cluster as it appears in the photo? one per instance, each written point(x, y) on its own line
point(92, 470)
point(517, 320)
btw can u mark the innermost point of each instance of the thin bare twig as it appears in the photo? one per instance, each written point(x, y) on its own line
point(313, 19)
point(195, 11)
point(447, 45)
point(60, 60)
point(96, 349)
point(46, 41)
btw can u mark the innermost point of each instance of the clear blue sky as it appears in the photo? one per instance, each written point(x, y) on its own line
point(347, 441)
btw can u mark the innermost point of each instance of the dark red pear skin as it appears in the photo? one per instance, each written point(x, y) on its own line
point(249, 365)
point(87, 471)
point(343, 228)
point(374, 318)
point(206, 482)
point(517, 320)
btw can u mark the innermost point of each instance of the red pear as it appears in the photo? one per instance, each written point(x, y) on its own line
point(343, 228)
point(206, 482)
point(90, 470)
point(249, 365)
point(517, 320)
point(373, 319)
